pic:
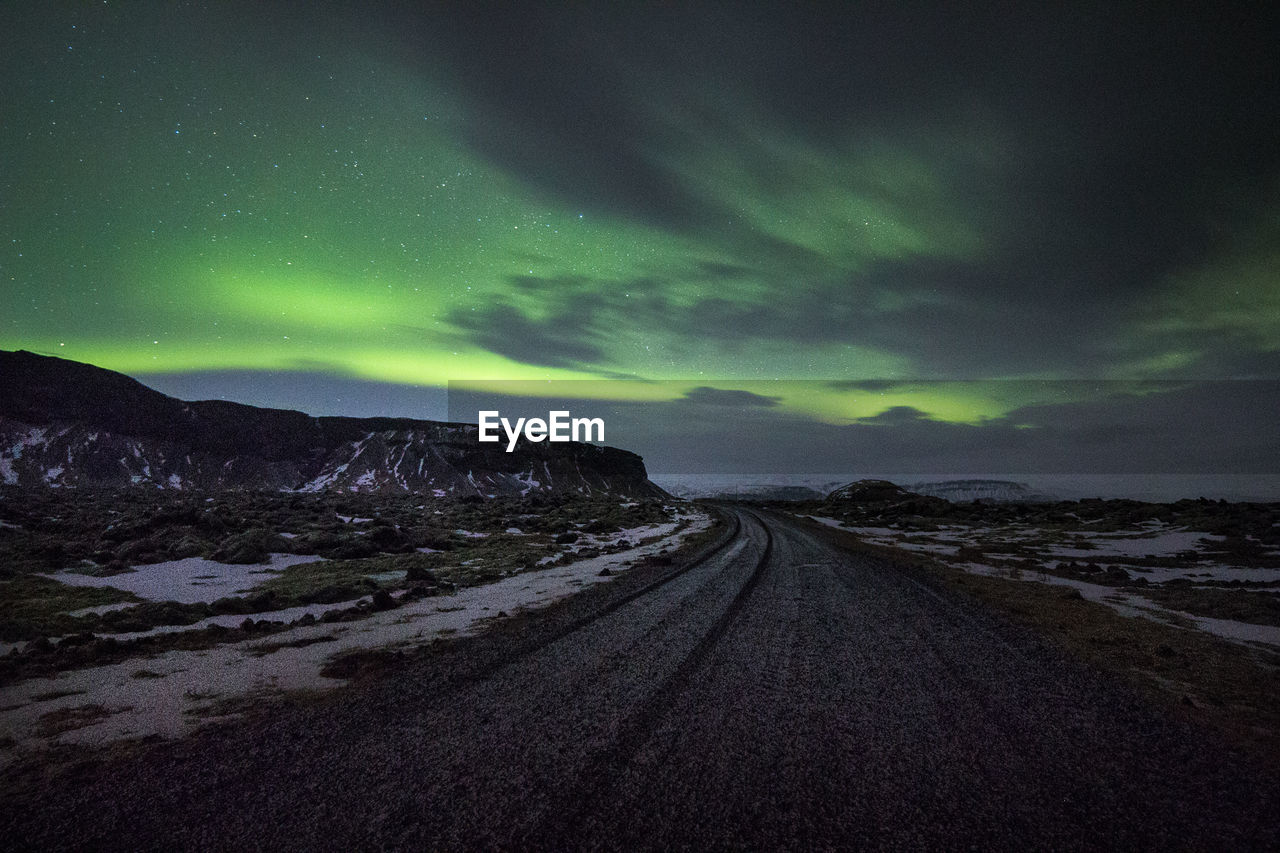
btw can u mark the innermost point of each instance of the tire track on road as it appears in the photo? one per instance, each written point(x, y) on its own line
point(584, 621)
point(636, 729)
point(534, 641)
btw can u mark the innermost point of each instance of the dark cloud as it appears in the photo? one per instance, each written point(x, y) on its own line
point(570, 93)
point(550, 103)
point(561, 339)
point(542, 284)
point(717, 271)
point(896, 307)
point(895, 416)
point(870, 385)
point(1235, 363)
point(1090, 148)
point(733, 398)
point(1171, 428)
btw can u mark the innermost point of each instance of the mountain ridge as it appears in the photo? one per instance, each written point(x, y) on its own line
point(67, 423)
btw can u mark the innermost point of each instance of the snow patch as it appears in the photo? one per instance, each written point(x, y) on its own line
point(190, 580)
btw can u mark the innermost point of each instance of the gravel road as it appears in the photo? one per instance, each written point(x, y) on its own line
point(777, 693)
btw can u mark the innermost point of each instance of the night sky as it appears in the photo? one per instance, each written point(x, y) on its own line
point(342, 207)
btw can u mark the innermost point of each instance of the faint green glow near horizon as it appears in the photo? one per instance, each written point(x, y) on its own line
point(970, 403)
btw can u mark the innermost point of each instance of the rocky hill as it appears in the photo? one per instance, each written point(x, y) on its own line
point(63, 423)
point(1002, 491)
point(882, 494)
point(870, 491)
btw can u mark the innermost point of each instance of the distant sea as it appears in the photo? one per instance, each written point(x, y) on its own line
point(1147, 487)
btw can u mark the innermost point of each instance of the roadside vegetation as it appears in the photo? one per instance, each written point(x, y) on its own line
point(372, 552)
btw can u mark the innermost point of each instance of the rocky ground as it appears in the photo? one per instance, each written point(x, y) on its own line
point(143, 614)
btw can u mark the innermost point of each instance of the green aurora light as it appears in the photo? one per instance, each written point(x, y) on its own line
point(184, 192)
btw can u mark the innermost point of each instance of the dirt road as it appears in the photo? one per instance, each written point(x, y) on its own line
point(780, 693)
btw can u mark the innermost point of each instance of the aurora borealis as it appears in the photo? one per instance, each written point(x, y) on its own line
point(343, 207)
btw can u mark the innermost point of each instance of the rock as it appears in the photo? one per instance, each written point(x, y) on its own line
point(252, 546)
point(80, 639)
point(419, 574)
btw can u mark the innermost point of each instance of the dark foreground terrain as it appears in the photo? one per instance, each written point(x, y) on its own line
point(778, 693)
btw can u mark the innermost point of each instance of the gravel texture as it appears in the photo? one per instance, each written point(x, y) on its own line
point(776, 693)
